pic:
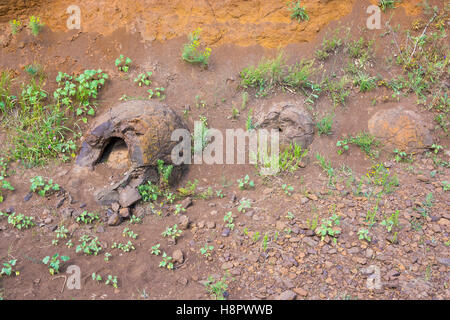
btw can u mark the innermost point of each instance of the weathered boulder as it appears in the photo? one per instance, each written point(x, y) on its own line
point(146, 128)
point(400, 128)
point(292, 120)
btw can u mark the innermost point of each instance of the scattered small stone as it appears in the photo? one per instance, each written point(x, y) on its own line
point(28, 197)
point(286, 295)
point(129, 196)
point(226, 232)
point(310, 242)
point(114, 220)
point(186, 203)
point(48, 220)
point(60, 202)
point(183, 281)
point(183, 222)
point(178, 256)
point(227, 265)
point(124, 213)
point(83, 205)
point(301, 292)
point(115, 207)
point(210, 224)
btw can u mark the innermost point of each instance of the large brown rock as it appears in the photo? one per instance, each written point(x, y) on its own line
point(146, 128)
point(400, 128)
point(292, 120)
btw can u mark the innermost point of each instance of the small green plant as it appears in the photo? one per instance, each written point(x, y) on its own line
point(436, 148)
point(96, 277)
point(363, 234)
point(156, 93)
point(445, 185)
point(217, 289)
point(155, 250)
point(43, 187)
point(324, 125)
point(125, 247)
point(297, 11)
point(342, 146)
point(15, 26)
point(365, 82)
point(172, 232)
point(129, 233)
point(166, 262)
point(107, 256)
point(245, 183)
point(387, 4)
point(61, 233)
point(228, 218)
point(290, 216)
point(122, 63)
point(87, 217)
point(366, 142)
point(35, 25)
point(89, 246)
point(189, 189)
point(328, 227)
point(249, 126)
point(149, 192)
point(143, 79)
point(191, 50)
point(329, 46)
point(112, 280)
point(20, 221)
point(54, 262)
point(256, 236)
point(164, 172)
point(244, 204)
point(391, 222)
point(291, 157)
point(206, 250)
point(402, 156)
point(7, 268)
point(135, 220)
point(287, 189)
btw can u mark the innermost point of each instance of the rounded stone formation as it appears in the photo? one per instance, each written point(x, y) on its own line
point(400, 128)
point(145, 126)
point(293, 122)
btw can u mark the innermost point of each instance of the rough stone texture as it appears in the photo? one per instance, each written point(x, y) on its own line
point(114, 220)
point(292, 120)
point(286, 295)
point(146, 128)
point(178, 256)
point(400, 128)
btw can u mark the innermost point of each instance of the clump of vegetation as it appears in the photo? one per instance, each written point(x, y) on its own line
point(324, 125)
point(143, 79)
point(149, 192)
point(156, 93)
point(217, 289)
point(89, 245)
point(166, 261)
point(54, 262)
point(191, 50)
point(42, 186)
point(291, 157)
point(245, 183)
point(87, 217)
point(15, 26)
point(172, 232)
point(329, 46)
point(20, 221)
point(328, 227)
point(297, 11)
point(35, 25)
point(7, 268)
point(164, 172)
point(387, 4)
point(123, 63)
point(4, 184)
point(272, 73)
point(366, 142)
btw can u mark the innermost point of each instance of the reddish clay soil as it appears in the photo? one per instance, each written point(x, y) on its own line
point(240, 33)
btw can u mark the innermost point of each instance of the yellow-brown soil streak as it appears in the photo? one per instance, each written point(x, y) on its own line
point(242, 22)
